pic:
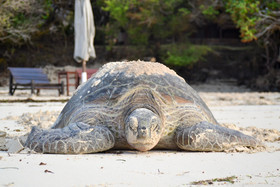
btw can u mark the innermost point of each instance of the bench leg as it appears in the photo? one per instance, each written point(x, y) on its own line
point(32, 87)
point(11, 92)
point(61, 89)
point(13, 89)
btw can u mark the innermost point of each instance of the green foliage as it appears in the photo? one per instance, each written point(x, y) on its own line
point(244, 14)
point(208, 11)
point(258, 20)
point(172, 19)
point(137, 36)
point(147, 22)
point(184, 11)
point(272, 4)
point(142, 20)
point(251, 16)
point(20, 19)
point(47, 9)
point(186, 55)
point(118, 10)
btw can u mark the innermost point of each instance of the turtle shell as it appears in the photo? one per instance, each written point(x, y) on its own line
point(120, 87)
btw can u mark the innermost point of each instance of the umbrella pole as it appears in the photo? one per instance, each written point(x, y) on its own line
point(84, 72)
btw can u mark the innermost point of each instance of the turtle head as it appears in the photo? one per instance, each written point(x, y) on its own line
point(143, 129)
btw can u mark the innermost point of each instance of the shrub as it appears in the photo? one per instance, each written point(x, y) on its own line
point(185, 54)
point(19, 19)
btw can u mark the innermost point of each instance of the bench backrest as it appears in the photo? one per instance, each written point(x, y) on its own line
point(26, 75)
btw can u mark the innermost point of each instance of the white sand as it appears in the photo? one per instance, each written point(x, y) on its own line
point(138, 169)
point(231, 105)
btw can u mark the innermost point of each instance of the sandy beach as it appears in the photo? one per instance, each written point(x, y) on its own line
point(253, 113)
point(128, 69)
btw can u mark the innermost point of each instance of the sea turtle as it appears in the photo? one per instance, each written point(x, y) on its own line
point(135, 105)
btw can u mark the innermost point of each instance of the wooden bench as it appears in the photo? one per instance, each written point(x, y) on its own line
point(90, 72)
point(31, 79)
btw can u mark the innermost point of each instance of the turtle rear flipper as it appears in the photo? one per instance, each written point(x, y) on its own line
point(205, 136)
point(77, 138)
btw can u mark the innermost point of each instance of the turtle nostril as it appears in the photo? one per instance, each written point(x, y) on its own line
point(142, 132)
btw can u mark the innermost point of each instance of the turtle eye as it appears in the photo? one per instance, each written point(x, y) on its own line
point(133, 123)
point(154, 123)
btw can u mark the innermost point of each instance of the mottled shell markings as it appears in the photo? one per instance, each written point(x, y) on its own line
point(95, 118)
point(95, 83)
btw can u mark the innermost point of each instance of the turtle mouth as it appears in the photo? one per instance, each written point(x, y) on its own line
point(143, 146)
point(143, 140)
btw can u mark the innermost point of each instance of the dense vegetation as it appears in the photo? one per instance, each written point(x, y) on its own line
point(165, 25)
point(21, 19)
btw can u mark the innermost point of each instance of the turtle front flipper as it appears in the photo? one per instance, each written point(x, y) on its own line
point(77, 138)
point(205, 136)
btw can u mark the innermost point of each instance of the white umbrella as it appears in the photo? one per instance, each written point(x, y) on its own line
point(84, 34)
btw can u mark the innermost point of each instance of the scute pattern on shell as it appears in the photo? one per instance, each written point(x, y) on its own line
point(114, 82)
point(97, 116)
